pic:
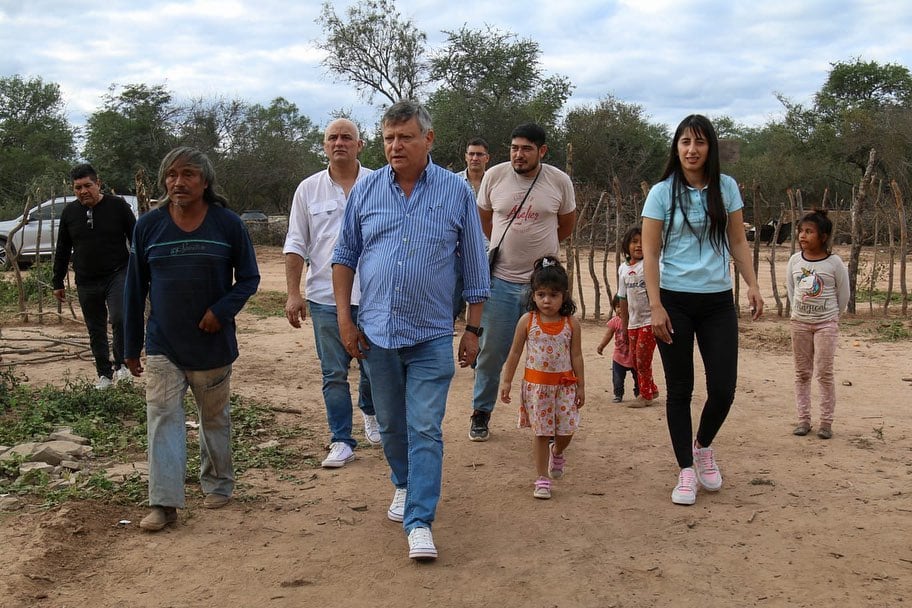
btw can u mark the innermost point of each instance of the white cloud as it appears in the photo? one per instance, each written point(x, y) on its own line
point(672, 58)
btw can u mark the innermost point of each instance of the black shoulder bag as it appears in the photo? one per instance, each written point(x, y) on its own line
point(493, 252)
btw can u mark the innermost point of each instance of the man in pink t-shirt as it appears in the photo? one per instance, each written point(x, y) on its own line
point(543, 221)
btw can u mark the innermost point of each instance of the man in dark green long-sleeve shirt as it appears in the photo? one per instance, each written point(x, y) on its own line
point(194, 259)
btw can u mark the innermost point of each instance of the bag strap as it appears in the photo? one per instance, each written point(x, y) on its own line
point(518, 209)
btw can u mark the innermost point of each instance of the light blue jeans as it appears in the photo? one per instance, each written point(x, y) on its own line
point(334, 363)
point(499, 317)
point(410, 409)
point(167, 433)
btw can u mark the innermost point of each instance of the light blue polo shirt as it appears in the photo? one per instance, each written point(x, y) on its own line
point(686, 263)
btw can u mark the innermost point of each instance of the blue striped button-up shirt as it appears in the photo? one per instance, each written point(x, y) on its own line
point(403, 248)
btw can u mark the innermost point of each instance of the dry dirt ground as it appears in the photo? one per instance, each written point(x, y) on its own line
point(799, 522)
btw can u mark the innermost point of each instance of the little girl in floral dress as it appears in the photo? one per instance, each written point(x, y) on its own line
point(553, 390)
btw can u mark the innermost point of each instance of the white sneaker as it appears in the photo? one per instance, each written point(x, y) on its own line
point(421, 544)
point(371, 429)
point(396, 511)
point(685, 493)
point(102, 383)
point(340, 454)
point(122, 374)
point(707, 470)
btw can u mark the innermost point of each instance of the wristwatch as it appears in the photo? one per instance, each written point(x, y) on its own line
point(475, 330)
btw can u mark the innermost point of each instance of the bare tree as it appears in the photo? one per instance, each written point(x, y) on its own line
point(375, 49)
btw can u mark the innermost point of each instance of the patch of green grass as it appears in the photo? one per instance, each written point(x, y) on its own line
point(114, 421)
point(893, 331)
point(267, 304)
point(37, 280)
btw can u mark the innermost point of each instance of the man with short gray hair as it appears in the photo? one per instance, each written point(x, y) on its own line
point(403, 225)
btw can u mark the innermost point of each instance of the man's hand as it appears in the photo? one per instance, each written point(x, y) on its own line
point(353, 339)
point(468, 349)
point(60, 294)
point(210, 323)
point(295, 310)
point(134, 366)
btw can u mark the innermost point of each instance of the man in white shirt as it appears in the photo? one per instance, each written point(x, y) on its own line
point(313, 227)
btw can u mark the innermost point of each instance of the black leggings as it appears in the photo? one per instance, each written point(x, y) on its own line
point(711, 317)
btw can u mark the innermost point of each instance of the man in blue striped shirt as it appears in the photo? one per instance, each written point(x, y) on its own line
point(403, 226)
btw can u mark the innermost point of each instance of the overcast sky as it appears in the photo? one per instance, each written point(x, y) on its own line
point(673, 58)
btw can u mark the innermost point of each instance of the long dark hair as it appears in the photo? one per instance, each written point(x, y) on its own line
point(548, 273)
point(715, 207)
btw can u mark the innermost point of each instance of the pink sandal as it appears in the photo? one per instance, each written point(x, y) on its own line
point(542, 488)
point(555, 464)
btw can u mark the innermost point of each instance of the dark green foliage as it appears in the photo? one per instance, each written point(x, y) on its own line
point(490, 82)
point(36, 141)
point(133, 130)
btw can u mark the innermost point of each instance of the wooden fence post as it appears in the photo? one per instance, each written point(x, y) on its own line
point(857, 207)
point(903, 244)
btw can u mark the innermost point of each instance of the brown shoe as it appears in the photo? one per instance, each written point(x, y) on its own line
point(825, 432)
point(802, 429)
point(216, 501)
point(158, 518)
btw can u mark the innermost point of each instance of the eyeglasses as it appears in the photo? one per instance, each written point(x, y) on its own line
point(89, 221)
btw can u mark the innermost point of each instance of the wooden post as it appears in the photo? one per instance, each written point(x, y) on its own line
point(857, 207)
point(903, 243)
point(595, 281)
point(892, 255)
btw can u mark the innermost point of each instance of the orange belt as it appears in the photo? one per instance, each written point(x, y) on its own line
point(550, 378)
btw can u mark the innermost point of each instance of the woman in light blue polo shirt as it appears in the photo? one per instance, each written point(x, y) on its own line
point(692, 227)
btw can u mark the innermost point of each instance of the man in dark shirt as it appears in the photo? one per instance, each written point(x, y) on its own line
point(193, 257)
point(95, 230)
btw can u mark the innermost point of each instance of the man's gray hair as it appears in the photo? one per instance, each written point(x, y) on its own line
point(195, 158)
point(404, 111)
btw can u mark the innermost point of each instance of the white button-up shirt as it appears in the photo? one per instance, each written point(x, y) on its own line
point(313, 227)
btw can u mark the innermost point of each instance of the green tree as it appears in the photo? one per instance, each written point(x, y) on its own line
point(134, 129)
point(272, 149)
point(36, 140)
point(615, 140)
point(861, 105)
point(375, 49)
point(208, 124)
point(491, 81)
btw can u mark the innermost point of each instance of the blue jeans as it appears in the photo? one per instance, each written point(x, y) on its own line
point(102, 301)
point(618, 373)
point(499, 316)
point(334, 363)
point(167, 433)
point(410, 409)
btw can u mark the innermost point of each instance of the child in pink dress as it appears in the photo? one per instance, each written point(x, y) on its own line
point(622, 360)
point(553, 389)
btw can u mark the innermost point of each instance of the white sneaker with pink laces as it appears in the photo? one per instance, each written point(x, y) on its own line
point(707, 471)
point(685, 493)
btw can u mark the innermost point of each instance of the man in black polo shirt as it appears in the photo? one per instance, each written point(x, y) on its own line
point(95, 229)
